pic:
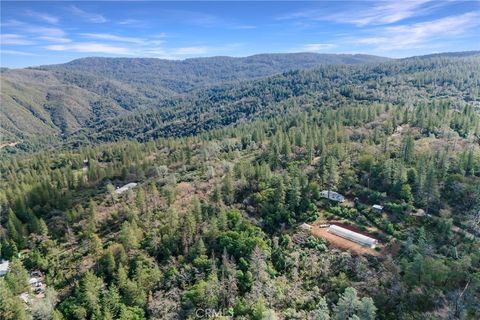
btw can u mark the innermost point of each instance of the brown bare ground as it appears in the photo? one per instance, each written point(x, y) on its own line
point(186, 192)
point(8, 144)
point(184, 196)
point(342, 243)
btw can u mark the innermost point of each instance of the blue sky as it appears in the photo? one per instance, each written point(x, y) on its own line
point(35, 33)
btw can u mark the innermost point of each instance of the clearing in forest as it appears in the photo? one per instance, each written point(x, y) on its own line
point(342, 243)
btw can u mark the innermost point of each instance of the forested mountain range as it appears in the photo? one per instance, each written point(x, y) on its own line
point(180, 76)
point(209, 196)
point(109, 99)
point(60, 99)
point(405, 82)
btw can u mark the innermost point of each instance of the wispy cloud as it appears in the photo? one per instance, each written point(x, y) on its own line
point(195, 18)
point(190, 51)
point(44, 31)
point(89, 16)
point(17, 53)
point(368, 12)
point(317, 47)
point(14, 39)
point(204, 20)
point(157, 39)
point(176, 53)
point(244, 27)
point(54, 39)
point(26, 33)
point(42, 16)
point(112, 37)
point(145, 51)
point(11, 23)
point(129, 21)
point(160, 53)
point(90, 47)
point(411, 35)
point(385, 12)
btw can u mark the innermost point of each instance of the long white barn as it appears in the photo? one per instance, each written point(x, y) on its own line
point(126, 188)
point(353, 236)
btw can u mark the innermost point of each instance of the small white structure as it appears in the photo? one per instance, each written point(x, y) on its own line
point(33, 281)
point(4, 267)
point(353, 236)
point(332, 195)
point(126, 188)
point(377, 208)
point(305, 226)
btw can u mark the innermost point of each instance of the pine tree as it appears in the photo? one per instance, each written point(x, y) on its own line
point(141, 201)
point(431, 189)
point(310, 151)
point(286, 147)
point(227, 189)
point(408, 150)
point(333, 176)
point(17, 277)
point(347, 304)
point(111, 191)
point(367, 309)
point(228, 282)
point(95, 246)
point(91, 218)
point(470, 163)
point(259, 270)
point(321, 312)
point(11, 307)
point(128, 236)
point(108, 265)
point(88, 294)
point(293, 194)
point(406, 193)
point(15, 229)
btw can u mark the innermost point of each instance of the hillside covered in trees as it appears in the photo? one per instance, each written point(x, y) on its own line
point(57, 100)
point(225, 178)
point(72, 105)
point(407, 82)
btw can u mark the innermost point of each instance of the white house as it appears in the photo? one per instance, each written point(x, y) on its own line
point(126, 188)
point(332, 195)
point(353, 236)
point(377, 208)
point(4, 267)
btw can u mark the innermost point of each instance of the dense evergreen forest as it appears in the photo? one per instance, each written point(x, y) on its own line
point(408, 82)
point(48, 103)
point(225, 178)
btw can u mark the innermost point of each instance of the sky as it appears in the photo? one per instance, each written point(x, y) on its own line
point(36, 32)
